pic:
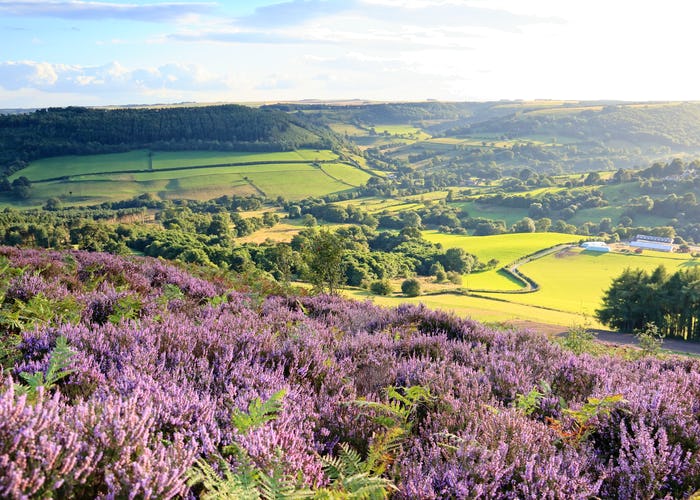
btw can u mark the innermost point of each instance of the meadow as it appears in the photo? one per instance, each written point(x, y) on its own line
point(504, 247)
point(189, 174)
point(49, 168)
point(575, 280)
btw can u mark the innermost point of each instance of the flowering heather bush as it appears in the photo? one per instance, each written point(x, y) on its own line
point(162, 360)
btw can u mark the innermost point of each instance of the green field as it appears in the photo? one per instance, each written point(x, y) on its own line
point(504, 247)
point(572, 282)
point(139, 160)
point(575, 280)
point(479, 308)
point(94, 179)
point(509, 215)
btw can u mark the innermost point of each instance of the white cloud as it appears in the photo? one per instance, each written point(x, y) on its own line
point(86, 10)
point(112, 77)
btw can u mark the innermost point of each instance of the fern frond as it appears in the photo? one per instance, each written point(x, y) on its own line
point(383, 449)
point(61, 357)
point(230, 487)
point(259, 412)
point(279, 486)
point(365, 486)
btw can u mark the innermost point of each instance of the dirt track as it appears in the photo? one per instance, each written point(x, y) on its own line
point(611, 337)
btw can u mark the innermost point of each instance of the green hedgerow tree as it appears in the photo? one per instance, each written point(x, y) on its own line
point(324, 257)
point(381, 287)
point(411, 287)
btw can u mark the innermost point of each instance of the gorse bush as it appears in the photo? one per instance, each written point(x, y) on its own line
point(160, 384)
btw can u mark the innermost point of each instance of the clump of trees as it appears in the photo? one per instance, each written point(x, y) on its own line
point(638, 298)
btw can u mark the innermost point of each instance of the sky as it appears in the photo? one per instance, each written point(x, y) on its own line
point(115, 52)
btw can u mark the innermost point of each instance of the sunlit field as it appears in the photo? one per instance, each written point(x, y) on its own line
point(575, 280)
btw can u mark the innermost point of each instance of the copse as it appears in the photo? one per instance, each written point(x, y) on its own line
point(637, 298)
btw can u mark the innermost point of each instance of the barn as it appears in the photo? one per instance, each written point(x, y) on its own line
point(658, 243)
point(595, 246)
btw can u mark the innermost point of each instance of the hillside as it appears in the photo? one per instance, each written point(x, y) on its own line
point(80, 131)
point(131, 376)
point(546, 136)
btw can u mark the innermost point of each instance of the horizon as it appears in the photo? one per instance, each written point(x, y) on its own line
point(155, 52)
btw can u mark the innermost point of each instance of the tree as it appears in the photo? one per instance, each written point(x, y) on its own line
point(592, 179)
point(324, 258)
point(525, 225)
point(543, 225)
point(309, 220)
point(381, 287)
point(52, 204)
point(411, 287)
point(456, 259)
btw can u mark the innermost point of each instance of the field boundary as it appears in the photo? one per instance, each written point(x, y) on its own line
point(190, 167)
point(530, 285)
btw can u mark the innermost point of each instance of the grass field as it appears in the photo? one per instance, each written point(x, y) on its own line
point(504, 247)
point(94, 179)
point(138, 160)
point(572, 282)
point(576, 280)
point(490, 311)
point(402, 130)
point(509, 215)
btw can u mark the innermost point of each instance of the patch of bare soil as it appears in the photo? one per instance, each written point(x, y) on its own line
point(566, 252)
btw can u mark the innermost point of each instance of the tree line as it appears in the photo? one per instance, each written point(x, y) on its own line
point(669, 301)
point(75, 130)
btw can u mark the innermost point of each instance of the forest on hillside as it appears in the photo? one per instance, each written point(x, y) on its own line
point(81, 131)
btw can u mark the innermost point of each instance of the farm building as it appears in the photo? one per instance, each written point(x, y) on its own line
point(652, 243)
point(595, 246)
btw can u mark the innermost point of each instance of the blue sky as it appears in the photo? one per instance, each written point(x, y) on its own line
point(96, 52)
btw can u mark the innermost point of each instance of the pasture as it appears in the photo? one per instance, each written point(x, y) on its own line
point(59, 166)
point(478, 308)
point(508, 215)
point(504, 247)
point(575, 280)
point(189, 174)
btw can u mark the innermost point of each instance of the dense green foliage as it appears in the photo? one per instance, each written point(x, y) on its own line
point(64, 131)
point(669, 303)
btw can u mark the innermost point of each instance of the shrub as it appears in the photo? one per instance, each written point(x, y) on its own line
point(381, 287)
point(579, 339)
point(650, 339)
point(454, 277)
point(411, 287)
